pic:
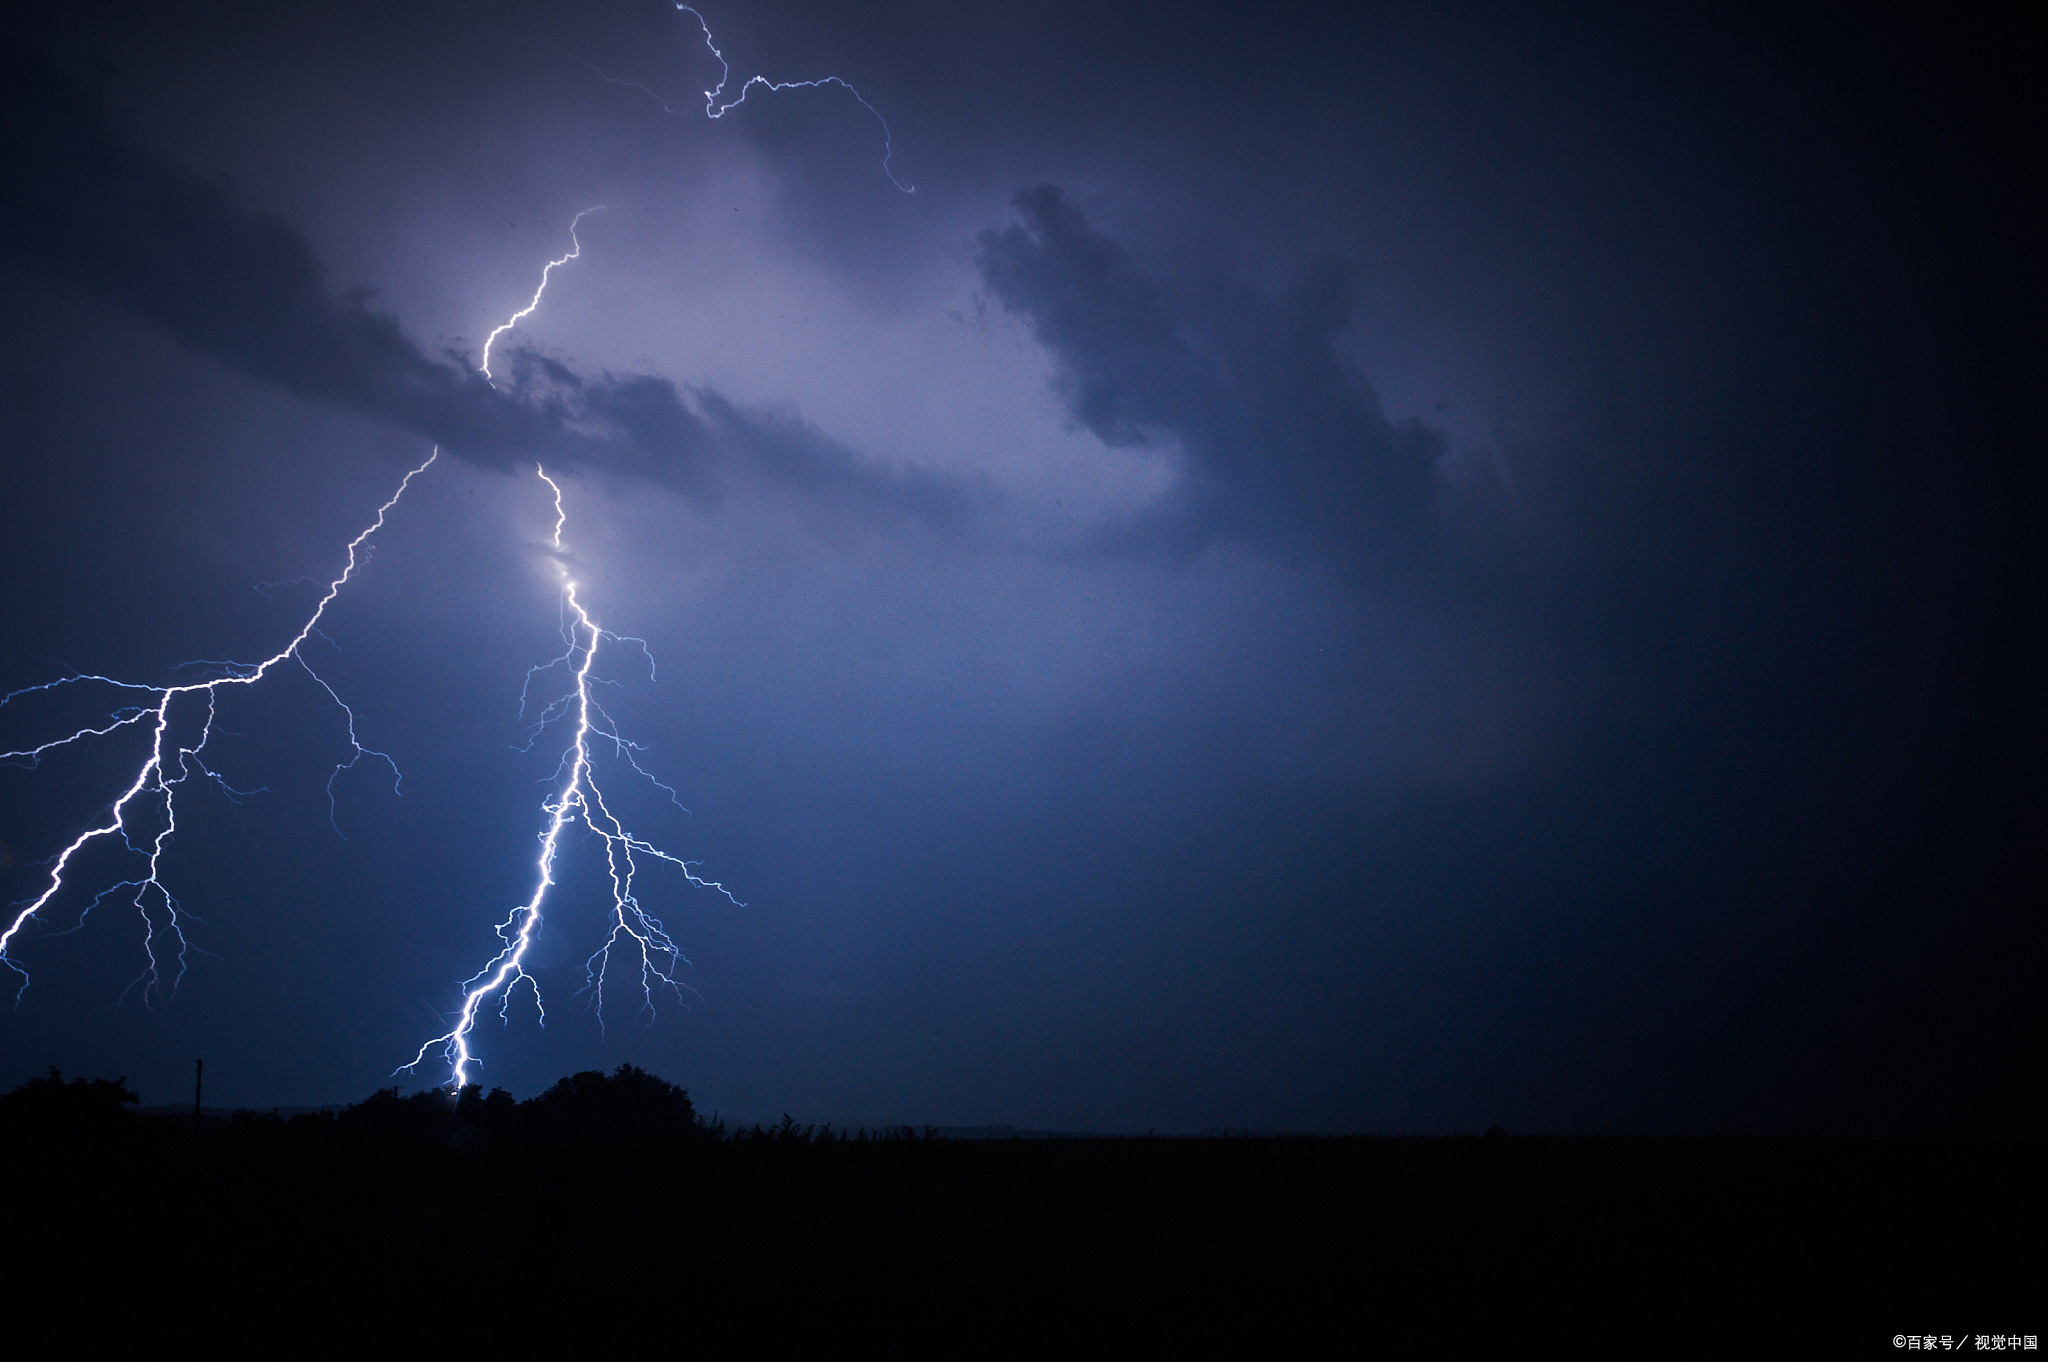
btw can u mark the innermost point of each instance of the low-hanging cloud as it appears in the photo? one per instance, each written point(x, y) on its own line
point(89, 203)
point(1285, 439)
point(1287, 445)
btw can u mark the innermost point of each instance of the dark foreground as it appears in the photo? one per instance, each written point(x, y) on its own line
point(606, 1207)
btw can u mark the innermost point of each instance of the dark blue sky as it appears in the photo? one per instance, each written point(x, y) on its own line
point(1387, 570)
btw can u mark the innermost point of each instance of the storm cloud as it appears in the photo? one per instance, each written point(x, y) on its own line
point(91, 203)
point(1394, 569)
point(1286, 440)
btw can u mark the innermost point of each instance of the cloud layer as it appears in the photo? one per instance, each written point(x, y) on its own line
point(1285, 440)
point(92, 204)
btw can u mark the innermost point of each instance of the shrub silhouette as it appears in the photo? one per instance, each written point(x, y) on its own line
point(496, 1112)
point(386, 1117)
point(50, 1101)
point(629, 1104)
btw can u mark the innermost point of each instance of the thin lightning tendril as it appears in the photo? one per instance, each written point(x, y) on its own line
point(167, 766)
point(576, 250)
point(578, 800)
point(714, 109)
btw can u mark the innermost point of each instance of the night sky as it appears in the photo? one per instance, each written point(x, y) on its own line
point(1355, 569)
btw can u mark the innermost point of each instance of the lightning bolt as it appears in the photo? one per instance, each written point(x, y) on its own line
point(714, 109)
point(578, 799)
point(576, 250)
point(167, 766)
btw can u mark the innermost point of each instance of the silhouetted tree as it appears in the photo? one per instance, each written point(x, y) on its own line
point(627, 1104)
point(386, 1117)
point(495, 1112)
point(50, 1101)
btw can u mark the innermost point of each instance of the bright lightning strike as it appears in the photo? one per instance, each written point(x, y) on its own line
point(579, 799)
point(168, 765)
point(576, 250)
point(713, 108)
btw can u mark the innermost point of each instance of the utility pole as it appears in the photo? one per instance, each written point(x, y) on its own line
point(198, 1077)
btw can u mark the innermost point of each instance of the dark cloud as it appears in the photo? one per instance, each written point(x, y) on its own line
point(91, 204)
point(1286, 441)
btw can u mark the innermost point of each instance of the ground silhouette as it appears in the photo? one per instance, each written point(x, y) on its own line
point(83, 1102)
point(608, 1204)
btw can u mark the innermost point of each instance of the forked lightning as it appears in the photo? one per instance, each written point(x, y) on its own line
point(165, 768)
point(578, 800)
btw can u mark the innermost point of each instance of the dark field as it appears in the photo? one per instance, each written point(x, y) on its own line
point(608, 1207)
